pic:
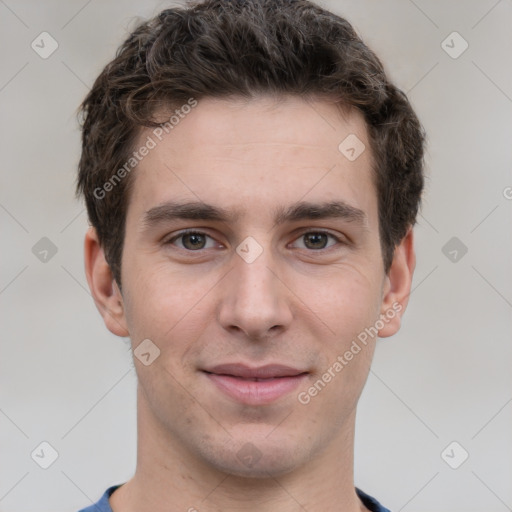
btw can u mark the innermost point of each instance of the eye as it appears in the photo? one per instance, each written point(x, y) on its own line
point(316, 240)
point(192, 241)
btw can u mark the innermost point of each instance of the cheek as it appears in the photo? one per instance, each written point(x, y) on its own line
point(347, 301)
point(162, 303)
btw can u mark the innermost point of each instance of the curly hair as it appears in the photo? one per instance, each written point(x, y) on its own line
point(245, 48)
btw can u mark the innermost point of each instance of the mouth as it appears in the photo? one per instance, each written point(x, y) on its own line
point(255, 386)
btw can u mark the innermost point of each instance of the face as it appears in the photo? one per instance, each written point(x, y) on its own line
point(252, 262)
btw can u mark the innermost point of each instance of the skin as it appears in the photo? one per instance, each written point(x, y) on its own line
point(295, 305)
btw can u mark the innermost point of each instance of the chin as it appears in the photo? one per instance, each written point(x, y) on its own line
point(263, 469)
point(260, 458)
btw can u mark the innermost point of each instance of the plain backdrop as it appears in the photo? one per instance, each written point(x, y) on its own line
point(445, 378)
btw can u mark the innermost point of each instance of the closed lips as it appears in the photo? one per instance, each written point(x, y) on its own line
point(267, 372)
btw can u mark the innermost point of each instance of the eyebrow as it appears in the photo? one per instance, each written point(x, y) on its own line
point(196, 210)
point(312, 211)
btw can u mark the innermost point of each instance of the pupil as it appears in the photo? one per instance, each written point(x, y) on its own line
point(316, 240)
point(193, 241)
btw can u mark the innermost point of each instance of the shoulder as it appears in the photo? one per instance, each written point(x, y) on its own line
point(103, 504)
point(370, 503)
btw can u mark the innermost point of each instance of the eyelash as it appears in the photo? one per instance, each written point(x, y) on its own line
point(320, 232)
point(184, 233)
point(201, 233)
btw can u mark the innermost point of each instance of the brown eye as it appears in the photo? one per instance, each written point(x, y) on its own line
point(192, 241)
point(315, 240)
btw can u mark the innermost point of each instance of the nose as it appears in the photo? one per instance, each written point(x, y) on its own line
point(255, 301)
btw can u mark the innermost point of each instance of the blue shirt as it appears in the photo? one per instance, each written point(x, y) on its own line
point(104, 506)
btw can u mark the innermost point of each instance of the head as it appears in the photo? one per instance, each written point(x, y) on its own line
point(271, 133)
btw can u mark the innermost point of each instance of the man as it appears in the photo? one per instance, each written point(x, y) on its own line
point(252, 179)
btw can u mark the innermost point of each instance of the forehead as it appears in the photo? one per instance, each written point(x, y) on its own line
point(264, 151)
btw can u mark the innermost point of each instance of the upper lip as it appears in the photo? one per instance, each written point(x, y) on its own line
point(262, 372)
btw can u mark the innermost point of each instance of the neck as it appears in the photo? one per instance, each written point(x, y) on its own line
point(170, 478)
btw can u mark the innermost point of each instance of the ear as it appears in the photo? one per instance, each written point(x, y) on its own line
point(104, 289)
point(397, 286)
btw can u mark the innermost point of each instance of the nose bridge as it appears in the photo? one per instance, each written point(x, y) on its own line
point(255, 281)
point(255, 300)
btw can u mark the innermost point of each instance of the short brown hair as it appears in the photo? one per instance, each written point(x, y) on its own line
point(224, 48)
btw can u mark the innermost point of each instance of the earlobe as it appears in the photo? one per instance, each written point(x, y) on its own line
point(104, 289)
point(397, 287)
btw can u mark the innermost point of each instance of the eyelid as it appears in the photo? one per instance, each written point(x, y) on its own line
point(339, 240)
point(188, 231)
point(301, 233)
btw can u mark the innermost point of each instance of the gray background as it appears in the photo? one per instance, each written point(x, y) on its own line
point(445, 377)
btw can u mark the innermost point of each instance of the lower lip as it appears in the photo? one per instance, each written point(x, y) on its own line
point(253, 392)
